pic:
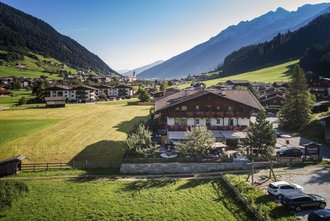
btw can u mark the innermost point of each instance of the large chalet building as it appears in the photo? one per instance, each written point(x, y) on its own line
point(226, 113)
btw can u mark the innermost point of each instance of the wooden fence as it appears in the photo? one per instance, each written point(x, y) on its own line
point(175, 160)
point(247, 205)
point(70, 165)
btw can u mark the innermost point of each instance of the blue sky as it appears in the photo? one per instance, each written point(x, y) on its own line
point(130, 33)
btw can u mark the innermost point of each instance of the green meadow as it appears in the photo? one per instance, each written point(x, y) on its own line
point(88, 199)
point(270, 74)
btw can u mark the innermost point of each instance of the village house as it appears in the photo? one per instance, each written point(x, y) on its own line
point(122, 91)
point(235, 83)
point(3, 91)
point(274, 99)
point(78, 93)
point(226, 113)
point(107, 90)
point(320, 88)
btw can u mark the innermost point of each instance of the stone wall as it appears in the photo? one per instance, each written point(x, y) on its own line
point(162, 168)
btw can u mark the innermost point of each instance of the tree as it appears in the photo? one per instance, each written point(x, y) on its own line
point(144, 96)
point(164, 85)
point(296, 110)
point(261, 137)
point(199, 140)
point(22, 100)
point(140, 141)
point(103, 96)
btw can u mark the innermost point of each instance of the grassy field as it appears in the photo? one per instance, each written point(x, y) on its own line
point(271, 74)
point(77, 199)
point(33, 68)
point(7, 101)
point(77, 132)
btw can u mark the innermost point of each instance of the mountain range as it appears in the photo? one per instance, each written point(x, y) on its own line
point(141, 69)
point(283, 47)
point(210, 54)
point(23, 33)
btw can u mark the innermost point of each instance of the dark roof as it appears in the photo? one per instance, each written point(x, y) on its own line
point(59, 88)
point(280, 84)
point(55, 98)
point(102, 86)
point(237, 82)
point(241, 96)
point(17, 158)
point(84, 87)
point(123, 86)
point(258, 84)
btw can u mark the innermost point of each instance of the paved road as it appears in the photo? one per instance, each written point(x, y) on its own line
point(300, 141)
point(314, 180)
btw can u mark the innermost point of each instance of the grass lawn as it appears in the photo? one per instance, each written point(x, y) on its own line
point(123, 200)
point(77, 132)
point(271, 74)
point(7, 101)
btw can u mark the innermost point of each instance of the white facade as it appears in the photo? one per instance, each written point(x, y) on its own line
point(212, 121)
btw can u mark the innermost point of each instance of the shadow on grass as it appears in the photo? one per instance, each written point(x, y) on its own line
point(193, 183)
point(127, 126)
point(290, 69)
point(100, 159)
point(147, 184)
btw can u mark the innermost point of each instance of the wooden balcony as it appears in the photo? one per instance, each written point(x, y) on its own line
point(184, 128)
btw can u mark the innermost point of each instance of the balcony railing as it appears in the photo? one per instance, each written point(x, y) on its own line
point(207, 114)
point(184, 128)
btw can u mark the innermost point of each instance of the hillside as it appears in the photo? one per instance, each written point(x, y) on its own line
point(33, 66)
point(283, 47)
point(208, 55)
point(279, 72)
point(317, 60)
point(23, 33)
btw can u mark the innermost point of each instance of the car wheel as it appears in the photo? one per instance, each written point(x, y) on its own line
point(298, 209)
point(322, 205)
point(279, 196)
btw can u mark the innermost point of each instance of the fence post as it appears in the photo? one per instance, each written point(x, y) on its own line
point(86, 163)
point(34, 167)
point(47, 167)
point(60, 166)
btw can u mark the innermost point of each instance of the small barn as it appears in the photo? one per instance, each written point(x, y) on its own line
point(52, 102)
point(11, 166)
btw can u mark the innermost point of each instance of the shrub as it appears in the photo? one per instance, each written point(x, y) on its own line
point(22, 100)
point(10, 191)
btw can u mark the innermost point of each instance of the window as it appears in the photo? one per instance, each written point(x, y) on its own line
point(218, 121)
point(196, 121)
point(177, 108)
point(218, 107)
point(177, 121)
point(197, 107)
point(287, 187)
point(230, 108)
point(184, 121)
point(183, 108)
point(208, 108)
point(231, 122)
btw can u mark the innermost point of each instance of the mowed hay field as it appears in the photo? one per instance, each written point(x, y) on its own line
point(280, 72)
point(123, 200)
point(93, 132)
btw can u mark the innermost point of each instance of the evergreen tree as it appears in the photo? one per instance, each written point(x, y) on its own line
point(22, 100)
point(261, 137)
point(199, 140)
point(296, 110)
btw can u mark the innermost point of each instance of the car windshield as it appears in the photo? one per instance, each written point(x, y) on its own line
point(272, 186)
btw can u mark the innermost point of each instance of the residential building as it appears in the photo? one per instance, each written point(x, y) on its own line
point(100, 89)
point(226, 113)
point(122, 91)
point(52, 102)
point(78, 93)
point(320, 88)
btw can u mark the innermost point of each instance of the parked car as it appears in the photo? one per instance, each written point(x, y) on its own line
point(303, 201)
point(285, 136)
point(320, 215)
point(282, 188)
point(289, 152)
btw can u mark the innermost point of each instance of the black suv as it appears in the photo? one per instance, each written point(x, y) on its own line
point(302, 201)
point(289, 152)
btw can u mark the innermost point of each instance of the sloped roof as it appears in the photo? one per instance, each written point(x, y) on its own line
point(241, 96)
